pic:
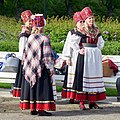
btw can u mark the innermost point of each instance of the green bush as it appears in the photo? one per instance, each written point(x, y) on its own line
point(110, 29)
point(111, 48)
point(9, 46)
point(58, 47)
point(9, 29)
point(58, 29)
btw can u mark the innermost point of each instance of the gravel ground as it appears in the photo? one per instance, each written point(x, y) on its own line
point(9, 110)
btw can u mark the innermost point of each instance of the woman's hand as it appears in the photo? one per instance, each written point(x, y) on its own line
point(82, 51)
point(51, 73)
point(68, 62)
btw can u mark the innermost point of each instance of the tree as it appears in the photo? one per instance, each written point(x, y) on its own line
point(19, 7)
point(111, 5)
point(69, 6)
point(1, 2)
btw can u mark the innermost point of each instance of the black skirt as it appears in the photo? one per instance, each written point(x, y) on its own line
point(17, 85)
point(78, 79)
point(40, 96)
point(76, 91)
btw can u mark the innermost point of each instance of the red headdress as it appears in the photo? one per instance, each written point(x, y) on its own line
point(86, 12)
point(25, 15)
point(38, 20)
point(77, 17)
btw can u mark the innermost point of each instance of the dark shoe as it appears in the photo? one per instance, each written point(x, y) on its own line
point(71, 101)
point(94, 105)
point(33, 112)
point(44, 113)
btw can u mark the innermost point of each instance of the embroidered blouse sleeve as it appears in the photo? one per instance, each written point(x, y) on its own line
point(22, 43)
point(66, 53)
point(47, 53)
point(74, 42)
point(100, 43)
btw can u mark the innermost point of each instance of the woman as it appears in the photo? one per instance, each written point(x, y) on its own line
point(88, 84)
point(70, 56)
point(26, 31)
point(37, 61)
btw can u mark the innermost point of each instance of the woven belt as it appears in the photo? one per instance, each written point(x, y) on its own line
point(89, 45)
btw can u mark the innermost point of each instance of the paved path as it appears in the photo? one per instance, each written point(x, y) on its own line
point(9, 110)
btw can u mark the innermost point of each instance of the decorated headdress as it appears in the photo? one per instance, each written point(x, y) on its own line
point(86, 12)
point(77, 17)
point(25, 15)
point(38, 20)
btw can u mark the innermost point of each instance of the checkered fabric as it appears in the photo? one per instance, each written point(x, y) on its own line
point(37, 53)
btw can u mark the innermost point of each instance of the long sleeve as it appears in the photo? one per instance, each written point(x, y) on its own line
point(47, 54)
point(66, 53)
point(100, 43)
point(74, 41)
point(22, 43)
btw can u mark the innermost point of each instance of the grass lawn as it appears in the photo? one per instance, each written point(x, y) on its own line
point(109, 91)
point(5, 85)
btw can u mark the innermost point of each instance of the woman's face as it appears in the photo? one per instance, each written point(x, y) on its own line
point(80, 24)
point(28, 23)
point(90, 21)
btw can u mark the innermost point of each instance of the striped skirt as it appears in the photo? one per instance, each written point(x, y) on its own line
point(84, 88)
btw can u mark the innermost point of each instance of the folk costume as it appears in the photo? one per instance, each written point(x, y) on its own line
point(25, 33)
point(68, 55)
point(37, 61)
point(84, 78)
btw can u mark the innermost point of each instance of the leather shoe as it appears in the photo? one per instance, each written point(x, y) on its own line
point(33, 112)
point(94, 105)
point(44, 113)
point(71, 101)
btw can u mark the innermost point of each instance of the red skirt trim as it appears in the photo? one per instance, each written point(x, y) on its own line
point(83, 96)
point(16, 92)
point(38, 106)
